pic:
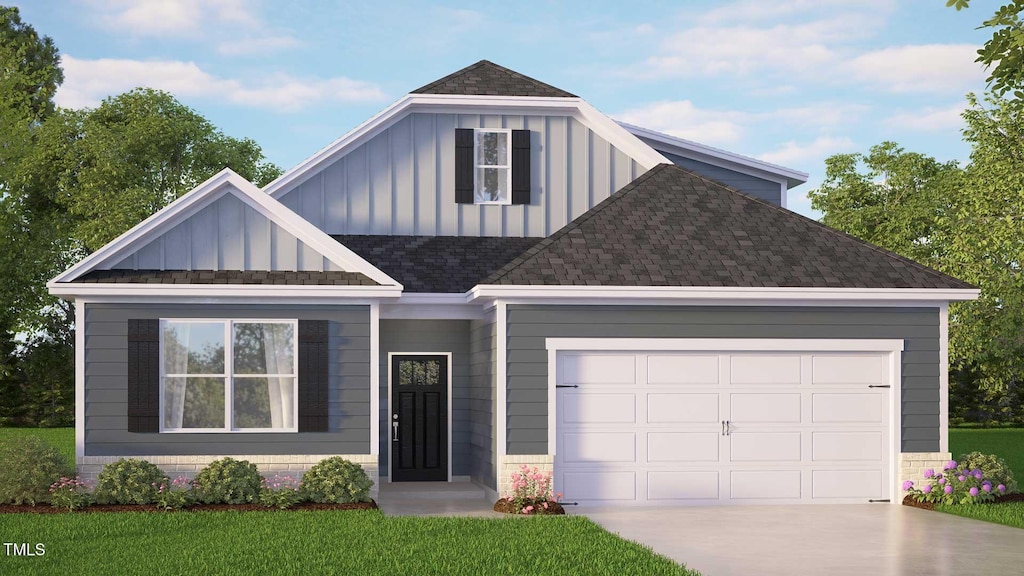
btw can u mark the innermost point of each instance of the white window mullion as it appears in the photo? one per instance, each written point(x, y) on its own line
point(229, 371)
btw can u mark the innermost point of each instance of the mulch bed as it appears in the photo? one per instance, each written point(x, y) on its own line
point(47, 509)
point(1005, 498)
point(504, 506)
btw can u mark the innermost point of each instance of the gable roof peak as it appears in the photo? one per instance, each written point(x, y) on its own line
point(485, 78)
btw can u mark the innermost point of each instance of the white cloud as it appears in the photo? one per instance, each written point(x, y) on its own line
point(759, 10)
point(87, 82)
point(920, 68)
point(681, 118)
point(793, 154)
point(257, 45)
point(929, 119)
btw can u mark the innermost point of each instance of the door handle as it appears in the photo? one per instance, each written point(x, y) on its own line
point(723, 427)
point(728, 428)
point(394, 429)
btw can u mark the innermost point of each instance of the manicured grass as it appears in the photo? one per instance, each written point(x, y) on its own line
point(1010, 514)
point(322, 542)
point(1007, 443)
point(62, 439)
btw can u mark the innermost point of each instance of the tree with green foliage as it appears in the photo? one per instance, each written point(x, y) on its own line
point(1003, 54)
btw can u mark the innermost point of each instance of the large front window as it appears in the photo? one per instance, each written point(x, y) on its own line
point(493, 167)
point(225, 375)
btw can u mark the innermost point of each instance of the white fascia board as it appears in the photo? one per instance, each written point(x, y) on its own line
point(432, 306)
point(91, 291)
point(457, 104)
point(727, 344)
point(201, 196)
point(694, 294)
point(721, 158)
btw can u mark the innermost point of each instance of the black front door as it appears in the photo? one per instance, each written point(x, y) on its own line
point(419, 427)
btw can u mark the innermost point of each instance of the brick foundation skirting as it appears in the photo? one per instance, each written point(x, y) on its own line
point(913, 465)
point(89, 467)
point(512, 462)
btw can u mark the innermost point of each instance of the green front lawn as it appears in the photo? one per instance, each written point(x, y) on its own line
point(62, 439)
point(1007, 443)
point(322, 542)
point(1010, 514)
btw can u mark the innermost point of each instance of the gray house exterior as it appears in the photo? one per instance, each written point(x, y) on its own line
point(490, 273)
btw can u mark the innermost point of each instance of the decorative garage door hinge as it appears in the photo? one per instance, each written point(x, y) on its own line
point(879, 386)
point(886, 500)
point(566, 386)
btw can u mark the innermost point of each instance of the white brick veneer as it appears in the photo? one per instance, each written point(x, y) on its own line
point(913, 465)
point(89, 467)
point(512, 462)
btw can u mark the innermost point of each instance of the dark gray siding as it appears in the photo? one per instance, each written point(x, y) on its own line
point(759, 187)
point(106, 384)
point(430, 336)
point(528, 326)
point(482, 437)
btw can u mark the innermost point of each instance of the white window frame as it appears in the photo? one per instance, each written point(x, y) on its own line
point(507, 166)
point(229, 375)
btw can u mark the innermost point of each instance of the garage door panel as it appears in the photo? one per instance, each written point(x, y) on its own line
point(598, 369)
point(682, 408)
point(682, 369)
point(850, 407)
point(765, 369)
point(846, 484)
point(682, 447)
point(848, 369)
point(764, 484)
point(764, 447)
point(687, 485)
point(845, 446)
point(599, 485)
point(765, 408)
point(582, 447)
point(599, 408)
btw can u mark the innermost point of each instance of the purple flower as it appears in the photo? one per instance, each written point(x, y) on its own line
point(942, 480)
point(986, 487)
point(974, 491)
point(950, 465)
point(907, 485)
point(978, 475)
point(961, 477)
point(927, 488)
point(948, 489)
point(929, 473)
point(1001, 488)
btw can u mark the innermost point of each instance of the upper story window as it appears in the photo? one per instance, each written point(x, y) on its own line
point(492, 166)
point(493, 155)
point(224, 375)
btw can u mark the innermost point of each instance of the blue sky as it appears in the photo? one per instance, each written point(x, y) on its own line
point(787, 81)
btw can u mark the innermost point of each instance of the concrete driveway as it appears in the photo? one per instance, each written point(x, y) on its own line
point(875, 539)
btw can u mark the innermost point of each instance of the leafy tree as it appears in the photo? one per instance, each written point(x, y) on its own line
point(29, 67)
point(1003, 54)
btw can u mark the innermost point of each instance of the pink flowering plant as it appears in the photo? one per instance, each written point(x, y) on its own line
point(956, 483)
point(174, 494)
point(280, 492)
point(70, 492)
point(531, 491)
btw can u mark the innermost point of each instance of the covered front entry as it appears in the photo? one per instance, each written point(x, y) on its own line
point(419, 417)
point(707, 426)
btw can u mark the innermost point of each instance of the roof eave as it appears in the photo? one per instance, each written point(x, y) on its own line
point(75, 290)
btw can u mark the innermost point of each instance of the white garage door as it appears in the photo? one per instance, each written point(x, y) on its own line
point(710, 427)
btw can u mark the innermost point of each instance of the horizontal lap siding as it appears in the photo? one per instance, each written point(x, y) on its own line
point(528, 326)
point(430, 336)
point(106, 385)
point(482, 408)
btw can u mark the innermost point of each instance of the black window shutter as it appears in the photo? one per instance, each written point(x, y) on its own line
point(143, 375)
point(464, 165)
point(312, 376)
point(520, 166)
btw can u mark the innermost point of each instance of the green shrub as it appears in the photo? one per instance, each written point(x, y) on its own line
point(336, 480)
point(228, 481)
point(28, 467)
point(992, 467)
point(129, 481)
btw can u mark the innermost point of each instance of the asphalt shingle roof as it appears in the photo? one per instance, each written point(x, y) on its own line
point(330, 278)
point(486, 78)
point(451, 264)
point(672, 227)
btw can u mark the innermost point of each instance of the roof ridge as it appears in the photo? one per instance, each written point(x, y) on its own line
point(536, 249)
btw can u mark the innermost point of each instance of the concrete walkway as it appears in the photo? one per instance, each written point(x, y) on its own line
point(435, 499)
point(875, 539)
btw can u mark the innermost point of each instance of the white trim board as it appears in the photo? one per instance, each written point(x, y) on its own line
point(79, 381)
point(168, 292)
point(391, 453)
point(224, 182)
point(687, 294)
point(577, 108)
point(944, 378)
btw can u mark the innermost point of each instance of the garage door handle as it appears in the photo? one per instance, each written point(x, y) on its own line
point(723, 427)
point(879, 386)
point(726, 427)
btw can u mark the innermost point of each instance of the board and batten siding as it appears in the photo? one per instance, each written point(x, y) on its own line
point(413, 336)
point(767, 190)
point(106, 385)
point(227, 235)
point(528, 326)
point(402, 181)
point(482, 412)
